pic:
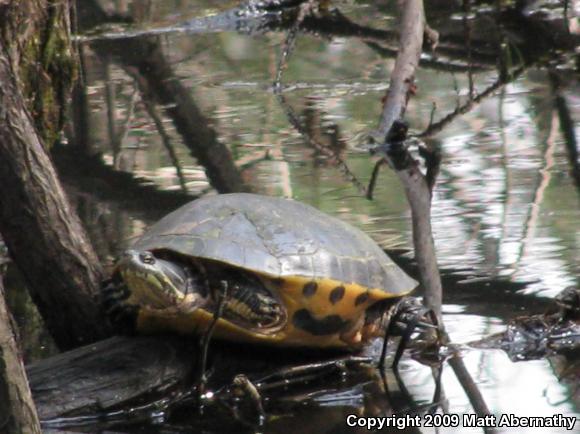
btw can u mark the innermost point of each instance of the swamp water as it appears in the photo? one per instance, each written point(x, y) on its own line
point(506, 206)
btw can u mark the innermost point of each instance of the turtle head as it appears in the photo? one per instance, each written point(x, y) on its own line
point(149, 277)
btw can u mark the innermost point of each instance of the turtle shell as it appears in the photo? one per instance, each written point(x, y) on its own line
point(278, 238)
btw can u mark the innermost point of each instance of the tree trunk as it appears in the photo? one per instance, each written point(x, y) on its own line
point(43, 234)
point(17, 411)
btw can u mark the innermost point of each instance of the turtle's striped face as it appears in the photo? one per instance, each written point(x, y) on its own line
point(159, 282)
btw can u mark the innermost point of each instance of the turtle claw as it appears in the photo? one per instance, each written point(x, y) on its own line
point(408, 316)
point(114, 292)
point(121, 315)
point(124, 317)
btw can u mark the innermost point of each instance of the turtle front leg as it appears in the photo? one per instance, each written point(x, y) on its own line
point(206, 337)
point(121, 315)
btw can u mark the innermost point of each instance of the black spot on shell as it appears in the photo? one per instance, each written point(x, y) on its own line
point(328, 325)
point(309, 289)
point(336, 294)
point(361, 298)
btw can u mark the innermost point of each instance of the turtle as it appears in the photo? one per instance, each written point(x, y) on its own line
point(282, 272)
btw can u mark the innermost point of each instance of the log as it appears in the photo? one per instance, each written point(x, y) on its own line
point(121, 372)
point(17, 410)
point(108, 374)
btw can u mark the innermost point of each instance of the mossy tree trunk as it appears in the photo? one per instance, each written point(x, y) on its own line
point(43, 233)
point(17, 411)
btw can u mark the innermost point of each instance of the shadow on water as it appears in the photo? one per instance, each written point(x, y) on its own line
point(171, 107)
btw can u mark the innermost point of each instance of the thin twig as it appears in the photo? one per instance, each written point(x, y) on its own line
point(467, 27)
point(110, 103)
point(469, 105)
point(432, 114)
point(290, 42)
point(121, 135)
point(166, 140)
point(332, 157)
point(294, 120)
point(374, 177)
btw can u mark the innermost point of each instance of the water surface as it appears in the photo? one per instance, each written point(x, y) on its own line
point(506, 206)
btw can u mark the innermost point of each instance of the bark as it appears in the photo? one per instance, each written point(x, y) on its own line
point(42, 232)
point(95, 378)
point(36, 37)
point(157, 371)
point(416, 186)
point(402, 78)
point(17, 410)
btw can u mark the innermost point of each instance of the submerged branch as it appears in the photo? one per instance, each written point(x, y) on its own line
point(261, 19)
point(430, 63)
point(333, 158)
point(167, 144)
point(144, 60)
point(568, 129)
point(91, 175)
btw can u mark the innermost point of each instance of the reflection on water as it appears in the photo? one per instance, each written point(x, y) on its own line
point(505, 207)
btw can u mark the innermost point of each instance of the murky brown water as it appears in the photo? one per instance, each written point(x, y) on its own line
point(505, 208)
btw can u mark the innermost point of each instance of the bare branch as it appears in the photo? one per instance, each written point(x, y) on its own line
point(438, 126)
point(393, 132)
point(333, 157)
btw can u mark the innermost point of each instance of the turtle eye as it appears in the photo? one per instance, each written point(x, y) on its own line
point(147, 258)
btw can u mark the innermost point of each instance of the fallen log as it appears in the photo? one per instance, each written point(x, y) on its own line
point(108, 374)
point(123, 372)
